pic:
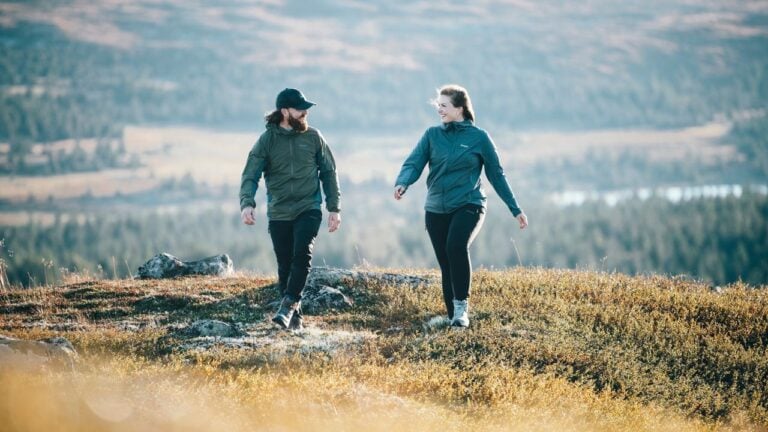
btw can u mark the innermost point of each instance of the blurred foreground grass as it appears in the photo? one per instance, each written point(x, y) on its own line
point(547, 350)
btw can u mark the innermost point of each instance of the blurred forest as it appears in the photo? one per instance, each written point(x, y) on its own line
point(85, 71)
point(596, 65)
point(718, 240)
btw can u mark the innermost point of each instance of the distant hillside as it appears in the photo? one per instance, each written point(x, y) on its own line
point(73, 68)
point(547, 350)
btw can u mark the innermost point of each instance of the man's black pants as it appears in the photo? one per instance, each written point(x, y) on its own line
point(451, 234)
point(293, 242)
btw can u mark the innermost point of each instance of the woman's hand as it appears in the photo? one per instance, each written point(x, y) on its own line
point(399, 191)
point(523, 219)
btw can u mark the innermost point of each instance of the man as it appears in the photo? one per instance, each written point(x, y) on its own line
point(294, 159)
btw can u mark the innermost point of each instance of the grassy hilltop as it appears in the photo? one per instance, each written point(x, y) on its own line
point(547, 350)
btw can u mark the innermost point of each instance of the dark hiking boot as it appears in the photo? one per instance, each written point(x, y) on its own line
point(286, 311)
point(297, 320)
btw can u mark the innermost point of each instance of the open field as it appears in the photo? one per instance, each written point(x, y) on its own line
point(547, 350)
point(700, 142)
point(217, 158)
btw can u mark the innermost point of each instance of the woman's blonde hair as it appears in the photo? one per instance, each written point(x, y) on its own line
point(459, 97)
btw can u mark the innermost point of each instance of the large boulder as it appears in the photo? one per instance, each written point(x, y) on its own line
point(165, 265)
point(29, 355)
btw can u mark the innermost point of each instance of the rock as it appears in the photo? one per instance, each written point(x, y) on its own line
point(318, 299)
point(328, 276)
point(330, 288)
point(28, 355)
point(211, 328)
point(165, 265)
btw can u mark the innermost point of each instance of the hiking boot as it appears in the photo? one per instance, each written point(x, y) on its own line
point(460, 313)
point(285, 312)
point(297, 321)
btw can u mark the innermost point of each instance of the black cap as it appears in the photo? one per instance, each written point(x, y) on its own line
point(292, 98)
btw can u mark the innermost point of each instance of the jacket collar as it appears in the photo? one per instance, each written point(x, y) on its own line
point(280, 131)
point(456, 126)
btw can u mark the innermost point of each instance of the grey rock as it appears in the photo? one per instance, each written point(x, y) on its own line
point(28, 355)
point(165, 265)
point(329, 276)
point(329, 288)
point(211, 328)
point(322, 298)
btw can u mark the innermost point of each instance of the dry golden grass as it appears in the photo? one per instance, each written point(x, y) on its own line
point(126, 393)
point(547, 350)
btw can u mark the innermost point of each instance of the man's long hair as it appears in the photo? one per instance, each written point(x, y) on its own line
point(275, 117)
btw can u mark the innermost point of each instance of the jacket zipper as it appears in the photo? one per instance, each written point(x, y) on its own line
point(291, 142)
point(452, 140)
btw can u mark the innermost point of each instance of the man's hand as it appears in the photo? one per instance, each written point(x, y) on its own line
point(334, 220)
point(523, 219)
point(247, 216)
point(399, 191)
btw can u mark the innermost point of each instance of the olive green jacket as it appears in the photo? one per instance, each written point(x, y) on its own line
point(293, 164)
point(457, 152)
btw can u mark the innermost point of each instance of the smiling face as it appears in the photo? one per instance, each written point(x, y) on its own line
point(448, 113)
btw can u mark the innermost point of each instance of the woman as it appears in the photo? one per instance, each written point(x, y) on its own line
point(456, 151)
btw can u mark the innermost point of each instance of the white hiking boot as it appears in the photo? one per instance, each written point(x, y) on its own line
point(460, 313)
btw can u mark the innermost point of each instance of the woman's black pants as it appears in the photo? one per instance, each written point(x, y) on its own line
point(451, 234)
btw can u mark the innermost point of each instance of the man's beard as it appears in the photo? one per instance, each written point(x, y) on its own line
point(298, 124)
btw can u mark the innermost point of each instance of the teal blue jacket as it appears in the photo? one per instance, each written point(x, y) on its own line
point(456, 153)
